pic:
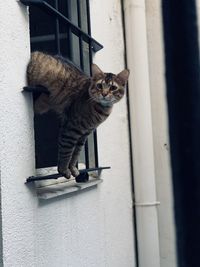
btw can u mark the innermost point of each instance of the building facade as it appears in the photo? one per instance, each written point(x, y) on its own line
point(94, 226)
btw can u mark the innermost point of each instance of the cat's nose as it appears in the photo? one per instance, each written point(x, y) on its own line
point(104, 93)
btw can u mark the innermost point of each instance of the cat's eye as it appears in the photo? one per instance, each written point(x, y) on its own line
point(113, 88)
point(99, 86)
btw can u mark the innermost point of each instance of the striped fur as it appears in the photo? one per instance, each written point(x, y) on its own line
point(82, 102)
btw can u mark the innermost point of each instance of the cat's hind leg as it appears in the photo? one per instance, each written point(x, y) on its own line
point(42, 104)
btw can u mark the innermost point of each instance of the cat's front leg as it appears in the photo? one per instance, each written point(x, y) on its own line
point(67, 143)
point(62, 169)
point(75, 155)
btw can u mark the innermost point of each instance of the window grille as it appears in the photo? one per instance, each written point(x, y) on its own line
point(61, 27)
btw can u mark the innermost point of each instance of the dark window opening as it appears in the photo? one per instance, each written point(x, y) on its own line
point(61, 27)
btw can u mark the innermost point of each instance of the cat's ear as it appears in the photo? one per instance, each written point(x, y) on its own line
point(123, 76)
point(96, 70)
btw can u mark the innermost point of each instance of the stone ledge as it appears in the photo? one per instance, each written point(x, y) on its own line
point(67, 187)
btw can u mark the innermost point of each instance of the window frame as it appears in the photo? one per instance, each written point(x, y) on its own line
point(93, 46)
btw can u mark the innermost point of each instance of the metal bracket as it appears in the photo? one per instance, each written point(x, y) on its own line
point(147, 204)
point(36, 89)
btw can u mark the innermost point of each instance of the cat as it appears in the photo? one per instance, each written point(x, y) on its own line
point(82, 102)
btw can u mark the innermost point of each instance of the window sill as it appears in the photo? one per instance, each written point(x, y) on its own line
point(47, 189)
point(64, 187)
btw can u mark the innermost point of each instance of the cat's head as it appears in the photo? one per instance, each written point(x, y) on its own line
point(107, 88)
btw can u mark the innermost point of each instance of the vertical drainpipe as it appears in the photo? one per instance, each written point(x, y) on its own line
point(141, 134)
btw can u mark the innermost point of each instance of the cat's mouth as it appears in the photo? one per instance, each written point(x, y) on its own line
point(106, 102)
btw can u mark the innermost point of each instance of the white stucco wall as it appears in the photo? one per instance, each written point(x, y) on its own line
point(160, 134)
point(17, 154)
point(93, 228)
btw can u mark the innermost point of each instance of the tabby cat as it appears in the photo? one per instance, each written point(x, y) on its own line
point(82, 102)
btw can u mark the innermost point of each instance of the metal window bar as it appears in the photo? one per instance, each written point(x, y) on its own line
point(69, 32)
point(80, 37)
point(82, 67)
point(57, 30)
point(83, 177)
point(90, 58)
point(96, 46)
point(93, 45)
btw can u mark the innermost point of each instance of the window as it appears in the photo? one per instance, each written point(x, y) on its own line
point(61, 27)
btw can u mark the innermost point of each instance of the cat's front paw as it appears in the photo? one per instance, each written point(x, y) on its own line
point(65, 172)
point(74, 171)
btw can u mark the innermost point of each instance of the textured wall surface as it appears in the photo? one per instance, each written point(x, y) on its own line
point(17, 154)
point(93, 228)
point(160, 134)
